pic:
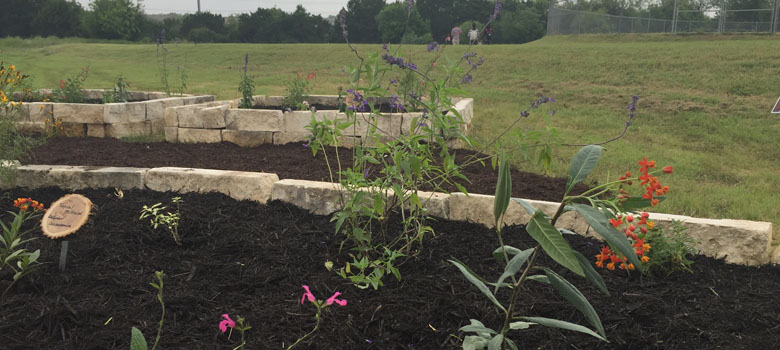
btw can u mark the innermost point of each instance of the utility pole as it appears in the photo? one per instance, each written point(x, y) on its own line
point(674, 16)
point(198, 6)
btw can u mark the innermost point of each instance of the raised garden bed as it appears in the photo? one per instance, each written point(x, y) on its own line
point(249, 259)
point(141, 117)
point(739, 241)
point(222, 121)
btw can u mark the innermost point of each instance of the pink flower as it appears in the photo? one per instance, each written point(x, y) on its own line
point(227, 322)
point(307, 295)
point(333, 299)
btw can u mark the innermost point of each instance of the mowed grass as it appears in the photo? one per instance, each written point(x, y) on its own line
point(704, 99)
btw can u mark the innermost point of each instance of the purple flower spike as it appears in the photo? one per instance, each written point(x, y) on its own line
point(496, 10)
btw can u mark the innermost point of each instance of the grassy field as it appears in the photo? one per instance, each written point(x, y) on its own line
point(704, 99)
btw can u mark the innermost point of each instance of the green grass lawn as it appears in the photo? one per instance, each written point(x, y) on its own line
point(704, 99)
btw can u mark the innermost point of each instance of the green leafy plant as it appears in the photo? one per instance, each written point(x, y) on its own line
point(119, 92)
point(388, 171)
point(137, 340)
point(297, 92)
point(550, 240)
point(157, 216)
point(13, 144)
point(13, 255)
point(246, 88)
point(671, 249)
point(71, 90)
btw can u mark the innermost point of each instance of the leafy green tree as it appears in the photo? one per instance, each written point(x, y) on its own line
point(58, 17)
point(261, 26)
point(392, 22)
point(519, 26)
point(305, 27)
point(215, 24)
point(16, 17)
point(361, 20)
point(749, 16)
point(115, 19)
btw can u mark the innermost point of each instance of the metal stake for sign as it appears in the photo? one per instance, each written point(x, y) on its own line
point(63, 255)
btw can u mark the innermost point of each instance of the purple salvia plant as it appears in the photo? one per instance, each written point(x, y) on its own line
point(433, 46)
point(246, 62)
point(496, 10)
point(343, 22)
point(398, 61)
point(542, 100)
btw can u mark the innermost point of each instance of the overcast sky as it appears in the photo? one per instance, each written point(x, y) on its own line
point(229, 7)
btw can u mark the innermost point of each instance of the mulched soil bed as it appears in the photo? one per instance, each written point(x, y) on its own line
point(290, 161)
point(250, 259)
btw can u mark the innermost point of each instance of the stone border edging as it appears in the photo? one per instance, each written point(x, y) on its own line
point(738, 241)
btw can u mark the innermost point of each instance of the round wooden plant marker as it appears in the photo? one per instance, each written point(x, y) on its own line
point(64, 217)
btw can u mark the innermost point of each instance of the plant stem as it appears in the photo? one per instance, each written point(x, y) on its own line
point(316, 326)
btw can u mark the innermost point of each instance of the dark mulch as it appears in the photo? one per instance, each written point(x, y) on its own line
point(250, 259)
point(290, 161)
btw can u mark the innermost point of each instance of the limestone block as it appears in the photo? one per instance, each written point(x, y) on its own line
point(320, 198)
point(157, 95)
point(78, 177)
point(79, 113)
point(204, 99)
point(775, 259)
point(437, 204)
point(170, 117)
point(188, 117)
point(296, 121)
point(273, 101)
point(478, 208)
point(171, 134)
point(282, 138)
point(466, 109)
point(254, 120)
point(121, 130)
point(189, 100)
point(96, 130)
point(30, 128)
point(259, 100)
point(36, 114)
point(94, 94)
point(361, 126)
point(157, 126)
point(328, 100)
point(73, 130)
point(188, 135)
point(236, 184)
point(138, 95)
point(389, 124)
point(155, 109)
point(212, 117)
point(245, 138)
point(124, 112)
point(738, 241)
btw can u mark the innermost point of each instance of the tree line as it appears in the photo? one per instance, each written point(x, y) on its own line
point(369, 21)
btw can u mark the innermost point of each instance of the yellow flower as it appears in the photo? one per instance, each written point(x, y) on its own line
point(12, 67)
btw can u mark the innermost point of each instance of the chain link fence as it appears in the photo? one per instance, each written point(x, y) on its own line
point(562, 21)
